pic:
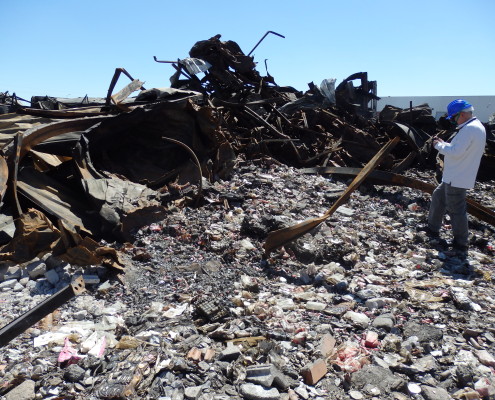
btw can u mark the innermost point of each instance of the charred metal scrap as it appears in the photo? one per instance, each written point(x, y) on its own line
point(103, 167)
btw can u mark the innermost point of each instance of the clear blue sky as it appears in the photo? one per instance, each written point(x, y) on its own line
point(71, 48)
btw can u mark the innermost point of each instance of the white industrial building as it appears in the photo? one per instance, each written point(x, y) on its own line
point(484, 106)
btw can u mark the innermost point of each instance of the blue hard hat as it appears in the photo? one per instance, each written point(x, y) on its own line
point(456, 107)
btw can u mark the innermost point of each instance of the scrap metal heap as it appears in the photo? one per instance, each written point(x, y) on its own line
point(74, 171)
point(361, 306)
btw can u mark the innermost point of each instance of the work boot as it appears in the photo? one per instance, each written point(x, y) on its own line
point(431, 233)
point(459, 247)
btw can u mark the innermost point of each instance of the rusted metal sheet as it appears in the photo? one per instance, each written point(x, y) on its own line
point(34, 233)
point(64, 114)
point(62, 103)
point(38, 134)
point(56, 199)
point(28, 319)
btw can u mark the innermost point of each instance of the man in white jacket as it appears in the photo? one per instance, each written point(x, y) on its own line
point(462, 157)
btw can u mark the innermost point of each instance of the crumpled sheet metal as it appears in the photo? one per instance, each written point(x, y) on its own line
point(89, 252)
point(36, 235)
point(132, 144)
point(224, 57)
point(55, 199)
point(114, 199)
point(242, 113)
point(142, 133)
point(10, 124)
point(122, 145)
point(38, 134)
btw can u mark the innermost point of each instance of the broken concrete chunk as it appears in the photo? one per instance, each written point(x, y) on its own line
point(349, 212)
point(355, 395)
point(260, 375)
point(485, 358)
point(251, 391)
point(74, 373)
point(385, 321)
point(192, 392)
point(424, 332)
point(267, 375)
point(327, 345)
point(315, 306)
point(11, 272)
point(435, 393)
point(357, 319)
point(380, 302)
point(24, 391)
point(8, 284)
point(52, 276)
point(380, 377)
point(249, 283)
point(36, 269)
point(231, 352)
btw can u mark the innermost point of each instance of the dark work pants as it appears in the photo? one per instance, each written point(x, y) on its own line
point(450, 199)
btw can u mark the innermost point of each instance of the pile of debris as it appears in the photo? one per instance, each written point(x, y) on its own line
point(150, 214)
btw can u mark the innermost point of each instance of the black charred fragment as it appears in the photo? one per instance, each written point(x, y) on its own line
point(211, 310)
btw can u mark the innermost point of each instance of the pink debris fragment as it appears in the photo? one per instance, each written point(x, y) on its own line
point(68, 354)
point(351, 357)
point(103, 345)
point(370, 340)
point(155, 228)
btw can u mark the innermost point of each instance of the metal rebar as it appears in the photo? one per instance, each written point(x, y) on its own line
point(275, 33)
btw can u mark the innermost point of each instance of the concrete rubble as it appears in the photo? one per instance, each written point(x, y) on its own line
point(181, 302)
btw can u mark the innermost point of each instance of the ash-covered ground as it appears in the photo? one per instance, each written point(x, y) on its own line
point(363, 307)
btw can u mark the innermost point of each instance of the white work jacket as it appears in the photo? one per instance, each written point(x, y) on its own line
point(463, 154)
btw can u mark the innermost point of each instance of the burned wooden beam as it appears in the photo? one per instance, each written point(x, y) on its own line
point(123, 94)
point(28, 319)
point(115, 78)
